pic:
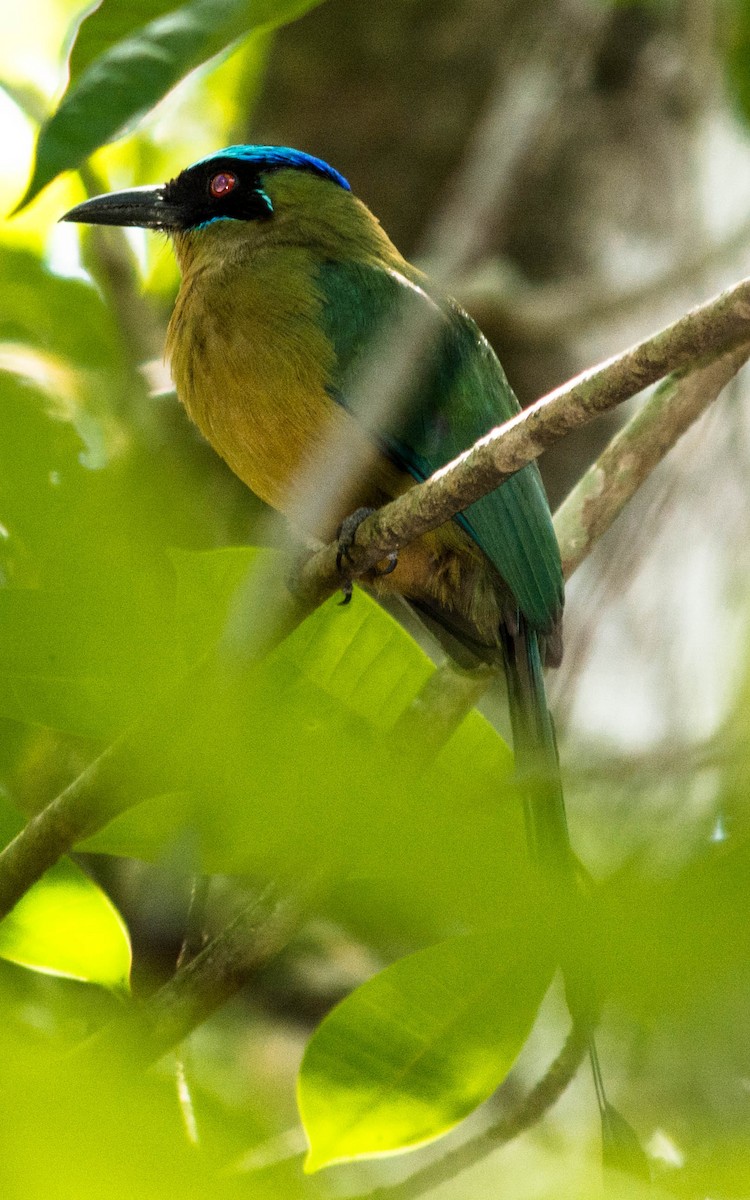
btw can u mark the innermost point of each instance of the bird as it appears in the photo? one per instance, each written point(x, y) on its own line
point(287, 280)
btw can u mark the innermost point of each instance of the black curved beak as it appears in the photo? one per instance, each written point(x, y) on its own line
point(145, 207)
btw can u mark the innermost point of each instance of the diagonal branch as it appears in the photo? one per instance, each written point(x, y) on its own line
point(602, 493)
point(255, 935)
point(721, 324)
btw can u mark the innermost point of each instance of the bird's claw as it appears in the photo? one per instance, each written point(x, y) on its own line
point(346, 537)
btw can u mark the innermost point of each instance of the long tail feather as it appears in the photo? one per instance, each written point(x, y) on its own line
point(538, 773)
point(537, 765)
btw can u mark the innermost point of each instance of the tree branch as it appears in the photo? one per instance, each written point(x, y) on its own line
point(202, 985)
point(587, 513)
point(77, 811)
point(709, 330)
point(138, 763)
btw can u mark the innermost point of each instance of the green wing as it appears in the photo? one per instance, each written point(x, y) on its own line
point(458, 395)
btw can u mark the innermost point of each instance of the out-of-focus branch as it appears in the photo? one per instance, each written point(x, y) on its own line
point(508, 310)
point(137, 764)
point(67, 819)
point(523, 105)
point(438, 709)
point(254, 936)
point(110, 259)
point(632, 455)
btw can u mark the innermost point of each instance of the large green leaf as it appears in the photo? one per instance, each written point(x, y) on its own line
point(667, 946)
point(130, 75)
point(88, 587)
point(413, 1051)
point(296, 764)
point(83, 606)
point(79, 1126)
point(65, 925)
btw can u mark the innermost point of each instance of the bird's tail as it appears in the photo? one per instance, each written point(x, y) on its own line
point(538, 775)
point(537, 764)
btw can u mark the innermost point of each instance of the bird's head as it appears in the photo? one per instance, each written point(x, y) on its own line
point(234, 184)
point(261, 192)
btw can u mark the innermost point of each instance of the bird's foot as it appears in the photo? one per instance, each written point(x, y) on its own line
point(346, 537)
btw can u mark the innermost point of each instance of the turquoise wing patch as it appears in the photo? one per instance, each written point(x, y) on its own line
point(458, 394)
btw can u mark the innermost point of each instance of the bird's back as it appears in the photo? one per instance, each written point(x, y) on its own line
point(269, 341)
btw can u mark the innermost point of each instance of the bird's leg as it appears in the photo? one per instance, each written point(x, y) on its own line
point(346, 537)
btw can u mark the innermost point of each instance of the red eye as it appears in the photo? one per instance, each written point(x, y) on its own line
point(222, 184)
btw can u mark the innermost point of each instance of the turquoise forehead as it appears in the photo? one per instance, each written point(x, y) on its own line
point(275, 158)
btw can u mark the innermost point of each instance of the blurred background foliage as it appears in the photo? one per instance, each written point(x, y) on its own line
point(123, 541)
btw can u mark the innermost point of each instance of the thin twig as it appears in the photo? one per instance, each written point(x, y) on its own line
point(193, 940)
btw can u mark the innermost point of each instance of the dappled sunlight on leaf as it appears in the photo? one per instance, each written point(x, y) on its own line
point(65, 925)
point(411, 1052)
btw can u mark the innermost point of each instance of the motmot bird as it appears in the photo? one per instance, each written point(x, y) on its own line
point(287, 278)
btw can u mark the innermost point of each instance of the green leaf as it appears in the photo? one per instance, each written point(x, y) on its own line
point(296, 764)
point(86, 587)
point(64, 317)
point(413, 1051)
point(360, 656)
point(101, 27)
point(129, 76)
point(66, 925)
point(80, 1125)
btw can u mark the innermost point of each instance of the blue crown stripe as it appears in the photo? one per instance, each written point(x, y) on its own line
point(276, 158)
